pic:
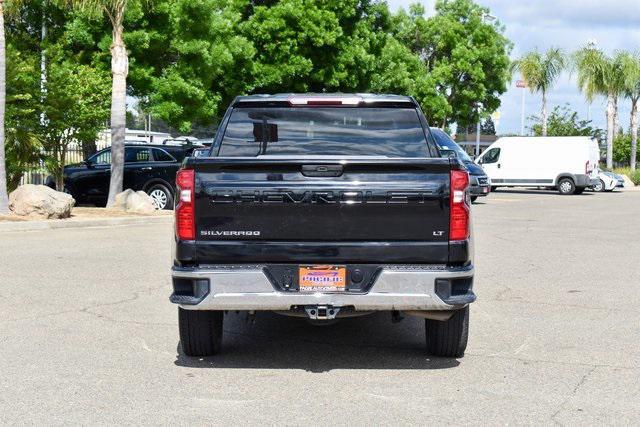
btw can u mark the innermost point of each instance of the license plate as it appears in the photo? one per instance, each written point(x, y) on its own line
point(322, 278)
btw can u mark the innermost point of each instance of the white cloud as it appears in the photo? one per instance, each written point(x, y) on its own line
point(568, 24)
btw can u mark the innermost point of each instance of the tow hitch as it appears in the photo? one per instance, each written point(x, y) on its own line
point(322, 312)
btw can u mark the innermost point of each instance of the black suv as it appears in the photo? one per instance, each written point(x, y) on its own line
point(479, 182)
point(150, 168)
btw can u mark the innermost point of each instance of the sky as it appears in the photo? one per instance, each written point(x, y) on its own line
point(567, 24)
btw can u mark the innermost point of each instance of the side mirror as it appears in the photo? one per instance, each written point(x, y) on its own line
point(88, 164)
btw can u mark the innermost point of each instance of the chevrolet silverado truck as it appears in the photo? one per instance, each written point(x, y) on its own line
point(323, 206)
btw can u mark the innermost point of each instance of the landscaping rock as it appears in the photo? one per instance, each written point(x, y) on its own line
point(134, 202)
point(40, 201)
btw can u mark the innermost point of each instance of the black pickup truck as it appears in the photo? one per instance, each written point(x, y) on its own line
point(323, 206)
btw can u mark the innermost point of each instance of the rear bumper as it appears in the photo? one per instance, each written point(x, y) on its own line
point(582, 180)
point(398, 287)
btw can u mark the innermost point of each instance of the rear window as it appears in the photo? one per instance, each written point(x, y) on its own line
point(445, 142)
point(177, 153)
point(391, 132)
point(162, 156)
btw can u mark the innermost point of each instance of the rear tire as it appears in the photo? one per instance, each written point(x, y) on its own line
point(566, 186)
point(474, 198)
point(200, 332)
point(493, 188)
point(448, 338)
point(599, 186)
point(162, 197)
point(579, 190)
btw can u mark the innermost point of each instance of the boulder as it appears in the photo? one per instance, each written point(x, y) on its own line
point(134, 202)
point(40, 201)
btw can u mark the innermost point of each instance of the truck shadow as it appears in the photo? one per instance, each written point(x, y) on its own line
point(279, 342)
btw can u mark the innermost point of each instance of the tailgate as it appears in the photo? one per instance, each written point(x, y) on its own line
point(276, 210)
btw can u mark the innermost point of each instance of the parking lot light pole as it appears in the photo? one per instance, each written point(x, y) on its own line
point(478, 108)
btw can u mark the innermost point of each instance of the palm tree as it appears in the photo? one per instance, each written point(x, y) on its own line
point(540, 72)
point(631, 74)
point(115, 10)
point(599, 74)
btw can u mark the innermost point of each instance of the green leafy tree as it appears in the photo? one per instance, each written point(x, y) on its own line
point(465, 54)
point(401, 71)
point(213, 50)
point(599, 74)
point(565, 122)
point(214, 63)
point(487, 127)
point(76, 108)
point(622, 149)
point(74, 104)
point(305, 45)
point(540, 72)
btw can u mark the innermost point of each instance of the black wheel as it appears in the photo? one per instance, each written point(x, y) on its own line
point(566, 186)
point(200, 332)
point(599, 186)
point(162, 197)
point(448, 338)
point(474, 198)
point(493, 188)
point(579, 190)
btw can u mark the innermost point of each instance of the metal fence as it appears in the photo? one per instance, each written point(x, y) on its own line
point(37, 173)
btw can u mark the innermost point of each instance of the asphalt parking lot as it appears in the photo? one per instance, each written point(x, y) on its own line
point(88, 335)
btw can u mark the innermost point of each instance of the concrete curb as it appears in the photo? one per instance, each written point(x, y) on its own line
point(10, 226)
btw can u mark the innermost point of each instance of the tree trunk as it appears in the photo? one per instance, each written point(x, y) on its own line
point(616, 118)
point(60, 172)
point(89, 149)
point(544, 113)
point(119, 70)
point(634, 132)
point(4, 199)
point(610, 129)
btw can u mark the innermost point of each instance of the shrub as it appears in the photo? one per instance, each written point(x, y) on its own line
point(634, 176)
point(622, 149)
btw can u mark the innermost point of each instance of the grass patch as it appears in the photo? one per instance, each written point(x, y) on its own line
point(634, 176)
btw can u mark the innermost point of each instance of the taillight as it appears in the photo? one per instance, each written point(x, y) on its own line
point(185, 218)
point(459, 206)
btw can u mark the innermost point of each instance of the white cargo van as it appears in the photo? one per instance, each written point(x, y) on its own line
point(566, 163)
